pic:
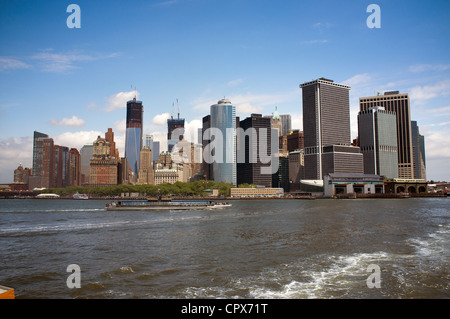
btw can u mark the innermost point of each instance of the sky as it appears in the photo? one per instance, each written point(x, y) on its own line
point(73, 83)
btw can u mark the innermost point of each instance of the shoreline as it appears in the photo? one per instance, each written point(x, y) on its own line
point(222, 198)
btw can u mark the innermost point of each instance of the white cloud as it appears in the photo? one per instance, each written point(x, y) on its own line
point(120, 125)
point(14, 151)
point(358, 80)
point(316, 41)
point(77, 139)
point(235, 82)
point(421, 94)
point(119, 100)
point(161, 119)
point(73, 121)
point(61, 62)
point(428, 67)
point(11, 64)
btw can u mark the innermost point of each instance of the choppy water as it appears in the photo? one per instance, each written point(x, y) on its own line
point(256, 249)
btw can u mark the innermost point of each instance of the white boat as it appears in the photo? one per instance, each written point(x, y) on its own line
point(80, 196)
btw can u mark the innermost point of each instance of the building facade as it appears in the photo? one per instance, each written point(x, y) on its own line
point(399, 104)
point(377, 138)
point(86, 153)
point(133, 137)
point(418, 142)
point(75, 167)
point(43, 169)
point(326, 124)
point(286, 123)
point(146, 175)
point(223, 118)
point(250, 148)
point(296, 166)
point(103, 167)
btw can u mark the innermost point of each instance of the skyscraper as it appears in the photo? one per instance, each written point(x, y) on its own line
point(146, 167)
point(286, 125)
point(103, 168)
point(326, 128)
point(249, 171)
point(418, 142)
point(43, 168)
point(172, 125)
point(223, 118)
point(399, 103)
point(377, 132)
point(133, 138)
point(75, 167)
point(86, 154)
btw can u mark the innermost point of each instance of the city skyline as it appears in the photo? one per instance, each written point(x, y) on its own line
point(72, 84)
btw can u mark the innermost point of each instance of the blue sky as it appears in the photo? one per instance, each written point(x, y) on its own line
point(73, 83)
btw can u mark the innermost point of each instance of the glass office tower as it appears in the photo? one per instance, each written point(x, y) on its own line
point(223, 117)
point(133, 138)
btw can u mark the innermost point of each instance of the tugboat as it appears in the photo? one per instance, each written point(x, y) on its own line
point(164, 204)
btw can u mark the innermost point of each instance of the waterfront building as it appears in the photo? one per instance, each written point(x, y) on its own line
point(133, 137)
point(61, 166)
point(399, 104)
point(21, 176)
point(43, 170)
point(166, 175)
point(326, 128)
point(377, 138)
point(418, 143)
point(257, 192)
point(223, 118)
point(103, 167)
point(286, 124)
point(249, 146)
point(281, 177)
point(346, 184)
point(86, 153)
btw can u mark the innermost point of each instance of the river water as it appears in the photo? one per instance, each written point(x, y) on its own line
point(255, 249)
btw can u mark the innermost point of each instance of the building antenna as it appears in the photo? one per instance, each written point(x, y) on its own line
point(178, 109)
point(172, 111)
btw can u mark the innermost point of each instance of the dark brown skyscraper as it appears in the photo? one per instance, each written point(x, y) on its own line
point(398, 103)
point(326, 125)
point(250, 171)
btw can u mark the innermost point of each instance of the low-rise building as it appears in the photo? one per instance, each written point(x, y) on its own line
point(257, 192)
